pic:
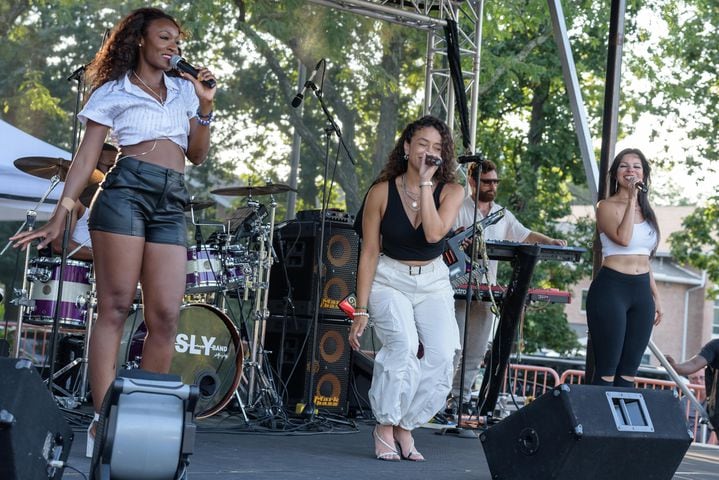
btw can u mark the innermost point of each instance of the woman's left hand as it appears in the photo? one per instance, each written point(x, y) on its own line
point(658, 316)
point(203, 91)
point(359, 323)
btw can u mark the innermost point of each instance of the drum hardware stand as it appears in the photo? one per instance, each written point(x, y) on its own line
point(261, 288)
point(21, 298)
point(91, 303)
point(58, 306)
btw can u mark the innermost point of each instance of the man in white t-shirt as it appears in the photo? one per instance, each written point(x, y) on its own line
point(479, 323)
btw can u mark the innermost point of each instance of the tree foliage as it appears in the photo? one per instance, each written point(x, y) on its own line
point(372, 85)
point(698, 243)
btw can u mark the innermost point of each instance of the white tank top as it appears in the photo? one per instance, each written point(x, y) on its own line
point(644, 240)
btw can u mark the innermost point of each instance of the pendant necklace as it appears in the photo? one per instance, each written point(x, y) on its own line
point(159, 97)
point(414, 205)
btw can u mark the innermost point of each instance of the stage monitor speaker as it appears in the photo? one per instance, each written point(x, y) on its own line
point(590, 432)
point(288, 341)
point(146, 429)
point(33, 432)
point(293, 278)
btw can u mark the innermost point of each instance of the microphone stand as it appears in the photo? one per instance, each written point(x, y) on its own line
point(468, 297)
point(79, 76)
point(309, 408)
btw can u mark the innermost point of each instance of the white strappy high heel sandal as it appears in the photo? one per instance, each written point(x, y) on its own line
point(90, 446)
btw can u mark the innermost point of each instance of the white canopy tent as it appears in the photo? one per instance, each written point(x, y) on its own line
point(20, 191)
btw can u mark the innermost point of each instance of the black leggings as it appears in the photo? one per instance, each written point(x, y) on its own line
point(620, 315)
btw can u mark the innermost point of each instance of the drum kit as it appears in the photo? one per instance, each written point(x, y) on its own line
point(225, 358)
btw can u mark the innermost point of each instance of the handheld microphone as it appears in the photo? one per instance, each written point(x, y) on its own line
point(308, 84)
point(432, 160)
point(179, 63)
point(638, 185)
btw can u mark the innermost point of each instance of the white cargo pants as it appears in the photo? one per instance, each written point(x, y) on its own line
point(409, 305)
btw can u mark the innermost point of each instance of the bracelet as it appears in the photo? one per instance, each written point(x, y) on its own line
point(205, 120)
point(426, 184)
point(360, 307)
point(360, 314)
point(68, 203)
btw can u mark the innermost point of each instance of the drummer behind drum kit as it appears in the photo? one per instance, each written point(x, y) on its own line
point(210, 349)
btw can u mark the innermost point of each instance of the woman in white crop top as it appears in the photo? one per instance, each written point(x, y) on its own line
point(623, 302)
point(137, 223)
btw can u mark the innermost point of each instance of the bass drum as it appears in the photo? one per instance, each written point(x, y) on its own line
point(208, 353)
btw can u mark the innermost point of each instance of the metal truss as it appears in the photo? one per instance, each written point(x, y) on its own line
point(432, 16)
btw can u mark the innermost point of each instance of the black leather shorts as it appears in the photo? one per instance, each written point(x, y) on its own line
point(142, 199)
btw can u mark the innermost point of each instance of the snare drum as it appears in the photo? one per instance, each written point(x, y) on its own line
point(208, 353)
point(44, 275)
point(204, 269)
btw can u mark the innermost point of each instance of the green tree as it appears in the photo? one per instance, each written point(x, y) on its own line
point(375, 72)
point(698, 243)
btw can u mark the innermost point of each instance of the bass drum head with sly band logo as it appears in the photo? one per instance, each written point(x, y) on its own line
point(207, 353)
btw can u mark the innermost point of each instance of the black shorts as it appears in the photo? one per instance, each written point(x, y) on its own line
point(142, 199)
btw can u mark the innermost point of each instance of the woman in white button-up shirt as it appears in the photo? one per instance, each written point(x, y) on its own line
point(137, 220)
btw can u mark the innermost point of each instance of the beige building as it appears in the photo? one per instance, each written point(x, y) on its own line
point(690, 319)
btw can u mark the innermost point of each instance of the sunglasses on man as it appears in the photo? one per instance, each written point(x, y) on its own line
point(489, 181)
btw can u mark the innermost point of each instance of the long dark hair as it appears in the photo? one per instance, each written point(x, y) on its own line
point(642, 197)
point(396, 164)
point(120, 52)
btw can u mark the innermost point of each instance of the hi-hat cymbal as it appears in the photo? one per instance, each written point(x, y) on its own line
point(199, 205)
point(47, 167)
point(249, 190)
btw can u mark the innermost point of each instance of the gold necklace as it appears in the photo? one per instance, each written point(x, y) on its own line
point(414, 205)
point(159, 97)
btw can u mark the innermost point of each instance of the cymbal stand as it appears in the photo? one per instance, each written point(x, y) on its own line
point(260, 313)
point(21, 295)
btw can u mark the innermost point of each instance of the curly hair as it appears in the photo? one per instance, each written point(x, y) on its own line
point(397, 164)
point(486, 166)
point(120, 52)
point(642, 198)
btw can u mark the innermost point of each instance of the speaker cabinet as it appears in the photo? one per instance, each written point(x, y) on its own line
point(590, 432)
point(289, 342)
point(293, 278)
point(32, 430)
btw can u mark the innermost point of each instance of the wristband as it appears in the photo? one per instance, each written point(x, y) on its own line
point(426, 184)
point(68, 203)
point(205, 120)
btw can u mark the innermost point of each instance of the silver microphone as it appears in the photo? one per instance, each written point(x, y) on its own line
point(432, 160)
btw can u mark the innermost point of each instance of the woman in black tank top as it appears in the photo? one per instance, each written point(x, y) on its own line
point(403, 284)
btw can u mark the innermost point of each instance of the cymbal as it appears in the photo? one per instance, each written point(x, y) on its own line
point(199, 205)
point(47, 167)
point(250, 190)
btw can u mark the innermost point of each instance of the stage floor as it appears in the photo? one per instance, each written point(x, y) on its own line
point(225, 448)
